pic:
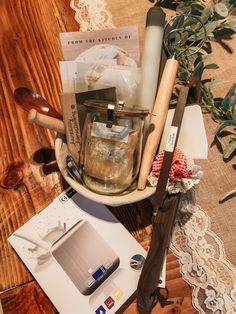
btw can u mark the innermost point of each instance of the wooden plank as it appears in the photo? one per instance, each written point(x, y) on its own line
point(28, 298)
point(29, 56)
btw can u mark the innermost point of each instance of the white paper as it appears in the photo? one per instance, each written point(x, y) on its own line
point(80, 77)
point(115, 45)
point(192, 137)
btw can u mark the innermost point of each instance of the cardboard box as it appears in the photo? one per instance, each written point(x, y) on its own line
point(81, 256)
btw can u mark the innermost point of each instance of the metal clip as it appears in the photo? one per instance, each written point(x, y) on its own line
point(110, 115)
point(121, 104)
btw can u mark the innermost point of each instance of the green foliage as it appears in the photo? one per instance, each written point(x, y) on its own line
point(227, 117)
point(224, 112)
point(227, 196)
point(218, 18)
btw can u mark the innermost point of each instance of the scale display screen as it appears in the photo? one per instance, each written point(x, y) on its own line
point(99, 272)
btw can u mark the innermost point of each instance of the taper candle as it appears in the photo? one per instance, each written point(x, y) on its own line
point(151, 56)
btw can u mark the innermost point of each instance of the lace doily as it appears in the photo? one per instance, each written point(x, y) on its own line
point(91, 15)
point(200, 252)
point(202, 261)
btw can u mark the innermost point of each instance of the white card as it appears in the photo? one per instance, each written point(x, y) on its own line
point(192, 138)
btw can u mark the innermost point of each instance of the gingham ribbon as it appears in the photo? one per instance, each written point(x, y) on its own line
point(179, 167)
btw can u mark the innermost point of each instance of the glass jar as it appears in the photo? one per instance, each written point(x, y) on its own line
point(111, 146)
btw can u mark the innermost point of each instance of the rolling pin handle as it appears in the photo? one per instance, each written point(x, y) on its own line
point(46, 121)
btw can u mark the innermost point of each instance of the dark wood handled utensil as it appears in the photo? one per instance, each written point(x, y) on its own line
point(164, 212)
point(29, 99)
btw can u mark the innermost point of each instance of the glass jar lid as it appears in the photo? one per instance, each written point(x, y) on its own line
point(119, 108)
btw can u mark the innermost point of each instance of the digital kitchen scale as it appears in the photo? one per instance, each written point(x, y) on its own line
point(85, 257)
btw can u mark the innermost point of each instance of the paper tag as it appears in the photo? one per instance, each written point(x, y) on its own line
point(170, 145)
point(115, 133)
point(72, 124)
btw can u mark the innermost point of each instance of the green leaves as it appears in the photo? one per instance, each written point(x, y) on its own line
point(200, 67)
point(214, 106)
point(227, 196)
point(216, 16)
point(228, 112)
point(206, 13)
point(228, 104)
point(230, 24)
point(193, 7)
point(221, 10)
point(211, 66)
point(225, 134)
point(230, 149)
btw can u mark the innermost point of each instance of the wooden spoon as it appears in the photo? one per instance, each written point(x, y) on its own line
point(29, 99)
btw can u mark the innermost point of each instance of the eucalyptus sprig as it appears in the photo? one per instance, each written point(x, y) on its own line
point(216, 16)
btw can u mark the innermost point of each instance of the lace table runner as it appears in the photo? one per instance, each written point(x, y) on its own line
point(91, 15)
point(200, 251)
point(202, 261)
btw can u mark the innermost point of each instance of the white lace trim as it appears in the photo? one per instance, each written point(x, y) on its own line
point(91, 15)
point(203, 263)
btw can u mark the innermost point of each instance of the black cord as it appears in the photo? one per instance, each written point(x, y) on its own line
point(160, 297)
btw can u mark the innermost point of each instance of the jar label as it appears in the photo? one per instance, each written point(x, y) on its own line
point(116, 132)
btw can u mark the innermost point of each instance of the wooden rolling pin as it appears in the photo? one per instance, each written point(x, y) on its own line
point(157, 120)
point(45, 121)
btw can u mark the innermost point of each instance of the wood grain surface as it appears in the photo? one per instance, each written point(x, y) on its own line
point(29, 176)
point(30, 180)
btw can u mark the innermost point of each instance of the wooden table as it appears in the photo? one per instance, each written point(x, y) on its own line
point(29, 176)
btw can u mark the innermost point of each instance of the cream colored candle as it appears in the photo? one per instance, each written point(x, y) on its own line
point(151, 57)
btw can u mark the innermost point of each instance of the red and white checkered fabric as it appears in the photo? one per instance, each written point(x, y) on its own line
point(179, 167)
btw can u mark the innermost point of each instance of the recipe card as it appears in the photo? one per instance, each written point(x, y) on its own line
point(118, 45)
